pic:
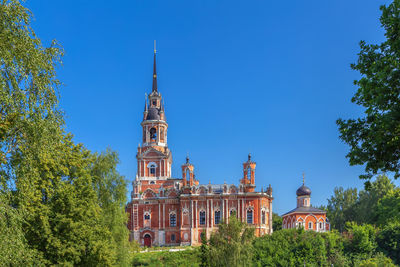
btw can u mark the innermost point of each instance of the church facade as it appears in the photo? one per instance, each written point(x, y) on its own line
point(175, 211)
point(304, 215)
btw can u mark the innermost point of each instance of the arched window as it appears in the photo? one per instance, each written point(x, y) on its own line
point(152, 169)
point(162, 134)
point(232, 212)
point(249, 173)
point(153, 133)
point(173, 238)
point(249, 216)
point(172, 220)
point(202, 217)
point(263, 217)
point(310, 226)
point(147, 221)
point(217, 216)
point(321, 227)
point(187, 174)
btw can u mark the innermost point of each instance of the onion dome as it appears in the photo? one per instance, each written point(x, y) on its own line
point(153, 114)
point(303, 191)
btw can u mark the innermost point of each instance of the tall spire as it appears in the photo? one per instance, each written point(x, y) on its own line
point(154, 70)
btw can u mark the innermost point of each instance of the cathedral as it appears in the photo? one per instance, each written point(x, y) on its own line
point(169, 211)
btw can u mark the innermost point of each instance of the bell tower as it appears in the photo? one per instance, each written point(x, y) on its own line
point(249, 173)
point(153, 156)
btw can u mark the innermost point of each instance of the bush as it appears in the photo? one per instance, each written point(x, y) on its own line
point(188, 257)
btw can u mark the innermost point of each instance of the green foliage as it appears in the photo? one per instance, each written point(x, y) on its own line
point(13, 247)
point(60, 204)
point(230, 245)
point(360, 243)
point(340, 208)
point(374, 139)
point(367, 203)
point(276, 222)
point(388, 240)
point(388, 209)
point(188, 257)
point(110, 187)
point(377, 204)
point(28, 83)
point(379, 260)
point(295, 247)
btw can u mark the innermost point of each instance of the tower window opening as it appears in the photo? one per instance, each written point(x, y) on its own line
point(154, 102)
point(202, 218)
point(147, 216)
point(217, 217)
point(248, 173)
point(153, 133)
point(263, 217)
point(172, 220)
point(187, 174)
point(249, 216)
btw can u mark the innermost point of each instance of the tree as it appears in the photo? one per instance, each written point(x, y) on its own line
point(367, 203)
point(361, 241)
point(388, 240)
point(296, 247)
point(276, 222)
point(341, 207)
point(374, 139)
point(111, 190)
point(230, 245)
point(60, 204)
point(14, 250)
point(28, 83)
point(388, 209)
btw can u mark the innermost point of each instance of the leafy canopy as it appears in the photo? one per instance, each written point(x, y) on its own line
point(374, 139)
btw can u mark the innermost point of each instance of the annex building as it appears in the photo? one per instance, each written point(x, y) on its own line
point(165, 210)
point(304, 215)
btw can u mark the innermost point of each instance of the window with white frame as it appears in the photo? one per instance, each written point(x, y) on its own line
point(172, 220)
point(217, 216)
point(320, 225)
point(147, 219)
point(202, 218)
point(310, 226)
point(249, 216)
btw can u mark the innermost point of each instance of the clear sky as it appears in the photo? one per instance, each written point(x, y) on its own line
point(266, 77)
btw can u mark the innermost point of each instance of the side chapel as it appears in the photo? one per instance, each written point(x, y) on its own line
point(166, 211)
point(304, 215)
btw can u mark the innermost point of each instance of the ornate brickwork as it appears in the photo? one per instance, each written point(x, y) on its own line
point(175, 211)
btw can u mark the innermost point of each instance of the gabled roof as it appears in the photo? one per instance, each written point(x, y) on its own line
point(152, 150)
point(305, 210)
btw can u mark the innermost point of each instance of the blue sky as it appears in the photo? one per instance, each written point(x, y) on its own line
point(266, 77)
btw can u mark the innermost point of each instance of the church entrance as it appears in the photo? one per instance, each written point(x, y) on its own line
point(147, 240)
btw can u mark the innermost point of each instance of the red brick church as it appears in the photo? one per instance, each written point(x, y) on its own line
point(167, 211)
